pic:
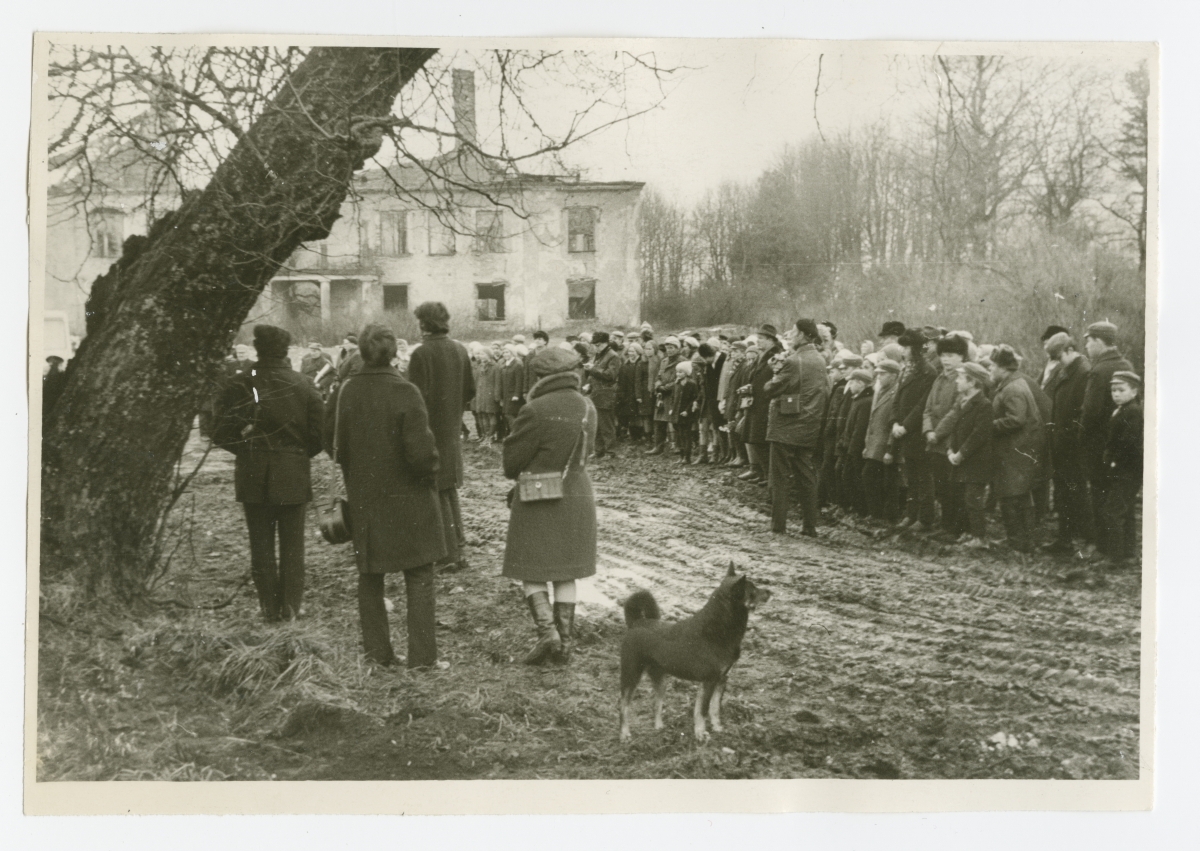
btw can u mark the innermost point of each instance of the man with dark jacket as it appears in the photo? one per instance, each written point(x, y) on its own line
point(908, 413)
point(441, 370)
point(798, 393)
point(758, 414)
point(270, 418)
point(836, 408)
point(1123, 463)
point(1066, 386)
point(1096, 410)
point(601, 377)
point(664, 390)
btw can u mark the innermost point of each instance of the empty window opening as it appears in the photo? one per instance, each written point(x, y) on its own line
point(489, 302)
point(581, 299)
point(581, 229)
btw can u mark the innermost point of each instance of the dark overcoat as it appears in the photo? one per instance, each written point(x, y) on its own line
point(908, 409)
point(1098, 406)
point(627, 389)
point(685, 400)
point(943, 395)
point(798, 394)
point(971, 435)
point(711, 391)
point(389, 458)
point(485, 388)
point(1044, 405)
point(1017, 435)
point(441, 369)
point(760, 408)
point(512, 386)
point(836, 411)
point(270, 418)
point(853, 439)
point(1066, 388)
point(879, 429)
point(664, 387)
point(552, 540)
point(645, 405)
point(1123, 450)
point(602, 378)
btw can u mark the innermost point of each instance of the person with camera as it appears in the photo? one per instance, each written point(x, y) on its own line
point(270, 418)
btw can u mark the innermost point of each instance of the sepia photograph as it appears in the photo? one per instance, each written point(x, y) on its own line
point(596, 410)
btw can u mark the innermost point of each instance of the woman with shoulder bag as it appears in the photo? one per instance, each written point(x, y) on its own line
point(552, 528)
point(378, 430)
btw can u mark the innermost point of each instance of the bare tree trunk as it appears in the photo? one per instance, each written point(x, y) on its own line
point(164, 316)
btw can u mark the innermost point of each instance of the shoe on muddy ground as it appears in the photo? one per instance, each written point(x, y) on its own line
point(749, 475)
point(736, 462)
point(973, 543)
point(658, 450)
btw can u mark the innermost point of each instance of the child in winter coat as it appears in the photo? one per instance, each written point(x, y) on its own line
point(684, 409)
point(879, 476)
point(853, 439)
point(1123, 465)
point(968, 441)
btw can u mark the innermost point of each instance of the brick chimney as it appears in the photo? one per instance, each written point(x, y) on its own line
point(464, 105)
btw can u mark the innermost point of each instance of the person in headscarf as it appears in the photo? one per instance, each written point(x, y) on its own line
point(552, 541)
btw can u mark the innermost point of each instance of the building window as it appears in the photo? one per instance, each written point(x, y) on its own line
point(395, 233)
point(109, 234)
point(581, 299)
point(489, 302)
point(395, 298)
point(489, 231)
point(322, 255)
point(581, 229)
point(368, 236)
point(441, 236)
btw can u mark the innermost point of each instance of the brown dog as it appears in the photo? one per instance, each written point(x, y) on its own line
point(701, 648)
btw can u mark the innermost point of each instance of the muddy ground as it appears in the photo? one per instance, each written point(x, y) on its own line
point(874, 658)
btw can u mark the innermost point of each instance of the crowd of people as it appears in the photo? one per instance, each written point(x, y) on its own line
point(923, 431)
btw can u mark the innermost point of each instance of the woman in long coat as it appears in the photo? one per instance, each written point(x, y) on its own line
point(553, 540)
point(1017, 440)
point(379, 428)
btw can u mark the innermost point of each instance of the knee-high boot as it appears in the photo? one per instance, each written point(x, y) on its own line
point(548, 641)
point(564, 621)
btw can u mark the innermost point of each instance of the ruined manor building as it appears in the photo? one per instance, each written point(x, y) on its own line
point(505, 251)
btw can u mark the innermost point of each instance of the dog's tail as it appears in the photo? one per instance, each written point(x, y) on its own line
point(640, 607)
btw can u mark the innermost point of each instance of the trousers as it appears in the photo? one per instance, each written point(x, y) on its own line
point(279, 582)
point(606, 430)
point(881, 490)
point(1120, 518)
point(792, 467)
point(1017, 514)
point(921, 469)
point(422, 625)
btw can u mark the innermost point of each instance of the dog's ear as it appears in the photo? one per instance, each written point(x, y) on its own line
point(738, 589)
point(732, 571)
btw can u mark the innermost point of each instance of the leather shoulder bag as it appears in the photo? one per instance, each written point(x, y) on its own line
point(544, 487)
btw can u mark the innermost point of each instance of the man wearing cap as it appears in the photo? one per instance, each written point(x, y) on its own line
point(1017, 433)
point(798, 392)
point(1066, 387)
point(1123, 464)
point(664, 388)
point(600, 374)
point(1097, 408)
point(441, 370)
point(271, 419)
point(760, 404)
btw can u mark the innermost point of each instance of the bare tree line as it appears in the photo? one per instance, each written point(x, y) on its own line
point(1002, 149)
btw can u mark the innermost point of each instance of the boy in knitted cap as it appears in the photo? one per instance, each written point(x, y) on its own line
point(1123, 464)
point(684, 410)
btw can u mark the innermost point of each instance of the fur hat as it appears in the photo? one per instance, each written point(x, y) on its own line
point(888, 365)
point(1056, 344)
point(953, 345)
point(1106, 332)
point(912, 339)
point(976, 372)
point(808, 328)
point(892, 329)
point(550, 360)
point(1052, 330)
point(1005, 357)
point(684, 367)
point(271, 342)
point(863, 375)
point(600, 338)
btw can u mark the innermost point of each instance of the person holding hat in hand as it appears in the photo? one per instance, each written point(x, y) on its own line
point(600, 374)
point(1123, 464)
point(271, 418)
point(552, 541)
point(1097, 408)
point(1017, 438)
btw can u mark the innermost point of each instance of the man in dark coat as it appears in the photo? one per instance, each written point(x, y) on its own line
point(664, 389)
point(1017, 429)
point(710, 415)
point(601, 377)
point(270, 418)
point(441, 370)
point(908, 412)
point(759, 412)
point(967, 436)
point(1123, 463)
point(852, 440)
point(1066, 386)
point(836, 410)
point(797, 392)
point(378, 431)
point(1097, 408)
